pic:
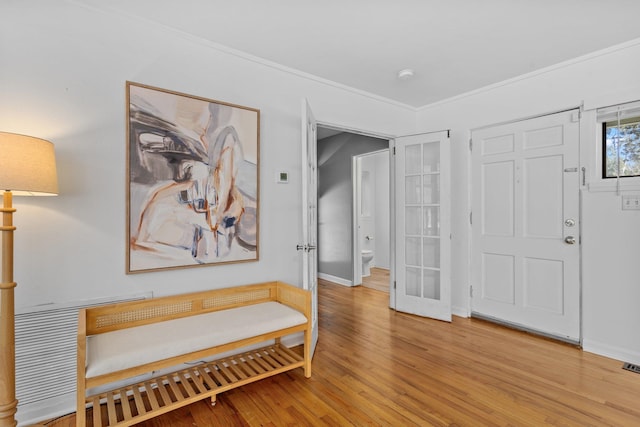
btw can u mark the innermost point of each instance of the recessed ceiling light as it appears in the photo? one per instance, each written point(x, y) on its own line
point(405, 74)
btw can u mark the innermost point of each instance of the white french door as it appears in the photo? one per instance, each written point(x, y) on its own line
point(310, 214)
point(525, 224)
point(423, 284)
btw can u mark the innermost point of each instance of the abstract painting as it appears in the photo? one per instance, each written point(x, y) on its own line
point(192, 180)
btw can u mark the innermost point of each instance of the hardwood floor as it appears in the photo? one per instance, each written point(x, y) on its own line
point(374, 366)
point(379, 279)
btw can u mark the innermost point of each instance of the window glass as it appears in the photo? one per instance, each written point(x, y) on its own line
point(625, 140)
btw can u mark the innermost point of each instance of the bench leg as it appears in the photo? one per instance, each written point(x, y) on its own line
point(307, 353)
point(81, 420)
point(213, 400)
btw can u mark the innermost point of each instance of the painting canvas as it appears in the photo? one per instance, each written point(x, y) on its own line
point(192, 180)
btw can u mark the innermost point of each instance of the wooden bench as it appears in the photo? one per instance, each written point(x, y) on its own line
point(164, 349)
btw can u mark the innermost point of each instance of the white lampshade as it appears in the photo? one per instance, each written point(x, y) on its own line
point(27, 165)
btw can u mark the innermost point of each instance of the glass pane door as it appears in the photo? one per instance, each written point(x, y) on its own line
point(422, 225)
point(422, 285)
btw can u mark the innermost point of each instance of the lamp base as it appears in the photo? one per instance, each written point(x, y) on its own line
point(7, 414)
point(8, 402)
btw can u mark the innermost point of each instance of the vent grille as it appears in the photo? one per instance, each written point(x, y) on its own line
point(631, 367)
point(46, 348)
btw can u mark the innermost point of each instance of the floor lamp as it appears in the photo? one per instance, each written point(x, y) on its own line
point(27, 168)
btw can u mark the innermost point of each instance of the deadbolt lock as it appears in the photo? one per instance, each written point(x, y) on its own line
point(569, 222)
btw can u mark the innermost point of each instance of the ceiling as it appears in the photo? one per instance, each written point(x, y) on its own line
point(453, 46)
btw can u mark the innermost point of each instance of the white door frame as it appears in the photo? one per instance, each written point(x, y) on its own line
point(356, 229)
point(356, 180)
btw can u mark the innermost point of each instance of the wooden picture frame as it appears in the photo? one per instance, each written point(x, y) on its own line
point(192, 180)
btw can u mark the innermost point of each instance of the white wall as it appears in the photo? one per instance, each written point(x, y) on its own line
point(64, 69)
point(62, 77)
point(610, 284)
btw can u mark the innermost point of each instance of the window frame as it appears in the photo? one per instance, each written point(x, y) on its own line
point(603, 146)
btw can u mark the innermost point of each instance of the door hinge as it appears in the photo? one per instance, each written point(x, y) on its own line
point(576, 116)
point(471, 291)
point(470, 144)
point(394, 284)
point(471, 217)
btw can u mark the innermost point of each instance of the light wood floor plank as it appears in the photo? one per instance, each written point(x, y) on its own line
point(379, 279)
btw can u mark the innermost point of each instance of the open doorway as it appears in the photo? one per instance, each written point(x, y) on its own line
point(338, 241)
point(371, 220)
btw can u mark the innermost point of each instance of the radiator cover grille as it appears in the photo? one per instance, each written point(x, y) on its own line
point(631, 367)
point(46, 348)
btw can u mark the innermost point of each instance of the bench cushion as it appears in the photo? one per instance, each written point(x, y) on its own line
point(126, 348)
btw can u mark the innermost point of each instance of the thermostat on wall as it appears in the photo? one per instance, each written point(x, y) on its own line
point(282, 177)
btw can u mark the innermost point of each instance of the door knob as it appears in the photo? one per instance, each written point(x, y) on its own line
point(570, 240)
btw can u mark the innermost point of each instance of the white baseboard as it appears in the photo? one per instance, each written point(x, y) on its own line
point(460, 311)
point(293, 340)
point(618, 353)
point(335, 279)
point(45, 410)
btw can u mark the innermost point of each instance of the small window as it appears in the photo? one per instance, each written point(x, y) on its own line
point(621, 148)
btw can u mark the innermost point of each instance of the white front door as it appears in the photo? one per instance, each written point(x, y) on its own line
point(525, 224)
point(423, 284)
point(308, 247)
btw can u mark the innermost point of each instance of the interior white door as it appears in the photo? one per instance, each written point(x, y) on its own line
point(423, 284)
point(525, 224)
point(310, 214)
